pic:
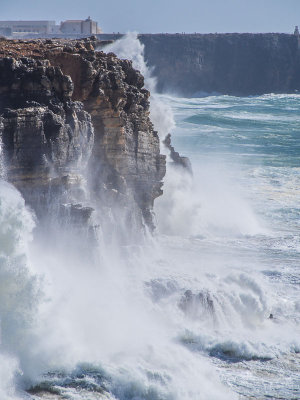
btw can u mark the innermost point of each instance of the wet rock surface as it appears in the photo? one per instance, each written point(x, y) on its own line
point(177, 159)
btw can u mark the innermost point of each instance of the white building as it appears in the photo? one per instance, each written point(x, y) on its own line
point(80, 26)
point(44, 28)
point(25, 27)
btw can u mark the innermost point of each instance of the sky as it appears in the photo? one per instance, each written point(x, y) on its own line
point(155, 16)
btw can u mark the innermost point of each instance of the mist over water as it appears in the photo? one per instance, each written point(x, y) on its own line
point(185, 315)
point(131, 48)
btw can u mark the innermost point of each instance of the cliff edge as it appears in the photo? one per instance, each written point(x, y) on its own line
point(76, 121)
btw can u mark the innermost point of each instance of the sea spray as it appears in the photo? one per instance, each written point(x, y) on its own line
point(129, 47)
point(147, 322)
point(97, 311)
point(19, 288)
point(2, 161)
point(214, 209)
point(101, 315)
point(8, 371)
point(207, 205)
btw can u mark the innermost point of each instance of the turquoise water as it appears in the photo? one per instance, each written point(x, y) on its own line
point(249, 149)
point(264, 129)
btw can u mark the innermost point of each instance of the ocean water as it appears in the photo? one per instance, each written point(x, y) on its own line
point(185, 316)
point(243, 236)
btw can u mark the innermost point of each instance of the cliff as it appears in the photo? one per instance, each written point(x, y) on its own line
point(235, 64)
point(74, 121)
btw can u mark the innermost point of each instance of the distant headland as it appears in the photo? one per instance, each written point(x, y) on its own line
point(240, 64)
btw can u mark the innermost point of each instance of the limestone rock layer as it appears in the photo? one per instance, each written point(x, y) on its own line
point(70, 118)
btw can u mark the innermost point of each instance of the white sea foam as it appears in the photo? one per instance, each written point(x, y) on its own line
point(129, 47)
point(189, 206)
point(8, 370)
point(18, 286)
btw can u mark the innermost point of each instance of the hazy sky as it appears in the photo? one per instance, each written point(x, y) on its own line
point(164, 15)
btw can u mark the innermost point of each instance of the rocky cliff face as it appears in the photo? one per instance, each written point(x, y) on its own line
point(65, 108)
point(237, 64)
point(46, 137)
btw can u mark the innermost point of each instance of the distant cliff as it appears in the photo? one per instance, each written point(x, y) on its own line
point(236, 64)
point(75, 130)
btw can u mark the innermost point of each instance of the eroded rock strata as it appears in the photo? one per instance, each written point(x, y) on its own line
point(66, 109)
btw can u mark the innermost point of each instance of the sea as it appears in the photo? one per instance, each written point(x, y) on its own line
point(206, 308)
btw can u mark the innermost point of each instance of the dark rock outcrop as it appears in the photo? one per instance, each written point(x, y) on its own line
point(177, 159)
point(47, 138)
point(64, 106)
point(236, 64)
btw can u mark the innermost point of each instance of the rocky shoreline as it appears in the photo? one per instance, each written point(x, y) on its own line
point(72, 120)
